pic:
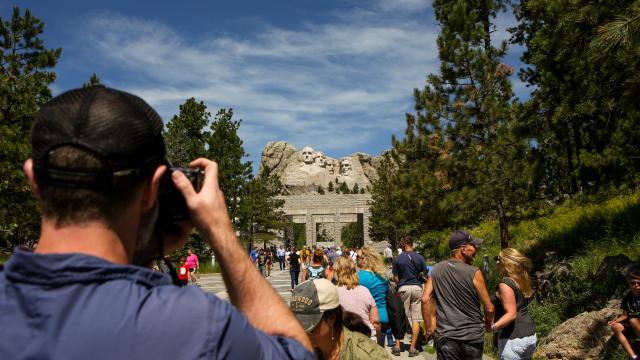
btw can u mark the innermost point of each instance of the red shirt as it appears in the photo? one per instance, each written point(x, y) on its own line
point(183, 272)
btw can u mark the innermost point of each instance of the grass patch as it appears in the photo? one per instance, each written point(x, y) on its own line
point(208, 268)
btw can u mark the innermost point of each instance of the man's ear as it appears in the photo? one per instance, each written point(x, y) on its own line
point(27, 167)
point(150, 191)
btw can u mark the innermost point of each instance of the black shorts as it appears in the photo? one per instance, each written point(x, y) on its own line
point(628, 332)
point(192, 270)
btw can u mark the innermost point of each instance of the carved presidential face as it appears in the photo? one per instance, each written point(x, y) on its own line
point(329, 164)
point(307, 155)
point(319, 158)
point(345, 167)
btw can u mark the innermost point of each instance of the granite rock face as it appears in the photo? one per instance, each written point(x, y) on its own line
point(301, 172)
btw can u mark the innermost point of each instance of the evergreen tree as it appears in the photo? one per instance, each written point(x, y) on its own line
point(185, 135)
point(320, 190)
point(362, 191)
point(226, 148)
point(93, 80)
point(259, 212)
point(584, 110)
point(25, 75)
point(330, 186)
point(356, 189)
point(344, 188)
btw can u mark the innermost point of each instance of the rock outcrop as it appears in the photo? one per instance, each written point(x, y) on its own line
point(302, 172)
point(582, 337)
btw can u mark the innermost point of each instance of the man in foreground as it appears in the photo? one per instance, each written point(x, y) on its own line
point(453, 293)
point(98, 161)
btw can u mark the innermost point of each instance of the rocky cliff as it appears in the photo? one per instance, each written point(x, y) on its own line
point(301, 172)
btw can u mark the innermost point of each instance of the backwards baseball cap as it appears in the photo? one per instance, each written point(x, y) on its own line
point(462, 237)
point(311, 299)
point(119, 129)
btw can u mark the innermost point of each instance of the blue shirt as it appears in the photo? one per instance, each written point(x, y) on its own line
point(74, 306)
point(377, 286)
point(407, 266)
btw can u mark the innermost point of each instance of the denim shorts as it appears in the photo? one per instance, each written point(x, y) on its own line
point(516, 349)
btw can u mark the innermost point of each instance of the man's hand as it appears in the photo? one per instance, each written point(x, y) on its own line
point(208, 209)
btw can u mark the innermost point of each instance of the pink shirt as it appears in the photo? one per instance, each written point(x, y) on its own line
point(358, 301)
point(192, 261)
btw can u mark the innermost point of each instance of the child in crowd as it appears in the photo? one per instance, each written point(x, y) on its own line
point(183, 272)
point(627, 326)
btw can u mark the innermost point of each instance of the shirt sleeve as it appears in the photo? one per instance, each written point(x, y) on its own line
point(232, 337)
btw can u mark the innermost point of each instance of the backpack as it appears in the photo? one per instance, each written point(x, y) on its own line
point(315, 273)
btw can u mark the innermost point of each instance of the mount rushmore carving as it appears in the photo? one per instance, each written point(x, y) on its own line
point(304, 171)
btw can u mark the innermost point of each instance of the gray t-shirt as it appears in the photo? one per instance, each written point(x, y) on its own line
point(458, 314)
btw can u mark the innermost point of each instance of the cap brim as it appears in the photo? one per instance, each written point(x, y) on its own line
point(475, 241)
point(309, 321)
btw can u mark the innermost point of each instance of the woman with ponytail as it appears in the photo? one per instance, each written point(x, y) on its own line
point(514, 327)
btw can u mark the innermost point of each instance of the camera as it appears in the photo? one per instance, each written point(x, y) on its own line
point(172, 205)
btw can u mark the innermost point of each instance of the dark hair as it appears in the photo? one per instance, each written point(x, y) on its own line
point(633, 272)
point(407, 240)
point(318, 256)
point(347, 319)
point(67, 205)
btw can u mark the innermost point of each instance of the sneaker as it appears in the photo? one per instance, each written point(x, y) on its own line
point(395, 351)
point(413, 353)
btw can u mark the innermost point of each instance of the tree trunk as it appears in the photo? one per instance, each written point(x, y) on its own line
point(504, 227)
point(570, 167)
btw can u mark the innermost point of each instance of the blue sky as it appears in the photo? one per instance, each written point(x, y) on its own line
point(334, 75)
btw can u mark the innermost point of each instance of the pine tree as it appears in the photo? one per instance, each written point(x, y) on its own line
point(259, 212)
point(225, 147)
point(344, 188)
point(25, 76)
point(93, 80)
point(356, 189)
point(330, 187)
point(185, 134)
point(320, 190)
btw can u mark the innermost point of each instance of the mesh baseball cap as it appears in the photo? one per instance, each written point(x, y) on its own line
point(311, 299)
point(119, 129)
point(462, 237)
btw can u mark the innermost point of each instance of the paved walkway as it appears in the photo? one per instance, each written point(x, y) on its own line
point(281, 282)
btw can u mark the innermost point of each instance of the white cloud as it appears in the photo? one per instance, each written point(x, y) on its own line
point(340, 86)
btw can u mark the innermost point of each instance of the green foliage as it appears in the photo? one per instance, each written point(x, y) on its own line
point(93, 80)
point(259, 211)
point(349, 235)
point(343, 188)
point(234, 172)
point(185, 134)
point(25, 76)
point(299, 235)
point(320, 190)
point(584, 111)
point(356, 189)
point(330, 187)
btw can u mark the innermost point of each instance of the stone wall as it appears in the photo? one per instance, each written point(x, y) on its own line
point(335, 209)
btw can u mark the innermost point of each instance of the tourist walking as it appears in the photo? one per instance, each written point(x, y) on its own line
point(316, 269)
point(262, 262)
point(281, 254)
point(269, 262)
point(193, 264)
point(355, 297)
point(333, 331)
point(514, 327)
point(408, 272)
point(294, 267)
point(454, 292)
point(372, 276)
point(388, 255)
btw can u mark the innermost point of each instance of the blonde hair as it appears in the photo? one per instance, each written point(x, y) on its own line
point(517, 266)
point(370, 260)
point(345, 272)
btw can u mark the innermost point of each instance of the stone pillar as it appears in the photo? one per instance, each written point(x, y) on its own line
point(337, 230)
point(310, 229)
point(365, 220)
